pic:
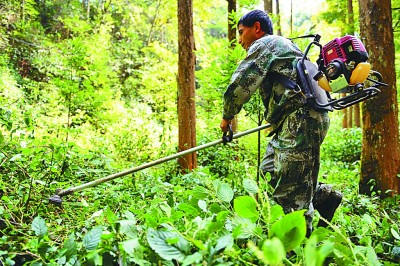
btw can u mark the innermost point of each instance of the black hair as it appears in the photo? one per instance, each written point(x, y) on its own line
point(254, 16)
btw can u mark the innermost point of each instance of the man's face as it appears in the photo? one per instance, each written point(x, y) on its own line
point(247, 35)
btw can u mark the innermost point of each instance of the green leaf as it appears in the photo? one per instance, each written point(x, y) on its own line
point(224, 192)
point(39, 226)
point(250, 186)
point(394, 233)
point(276, 213)
point(246, 207)
point(189, 209)
point(274, 251)
point(223, 242)
point(243, 227)
point(193, 259)
point(315, 253)
point(158, 241)
point(371, 256)
point(291, 229)
point(130, 245)
point(92, 239)
point(200, 192)
point(202, 205)
point(70, 246)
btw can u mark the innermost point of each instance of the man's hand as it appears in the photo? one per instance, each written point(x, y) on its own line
point(224, 125)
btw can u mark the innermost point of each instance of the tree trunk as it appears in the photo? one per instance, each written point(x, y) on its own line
point(278, 22)
point(186, 85)
point(268, 7)
point(291, 17)
point(381, 152)
point(355, 108)
point(357, 115)
point(345, 114)
point(231, 24)
point(232, 42)
point(350, 116)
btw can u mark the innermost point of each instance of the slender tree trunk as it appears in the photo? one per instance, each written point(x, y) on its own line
point(278, 15)
point(231, 24)
point(291, 17)
point(232, 42)
point(345, 112)
point(381, 152)
point(357, 115)
point(268, 7)
point(350, 116)
point(186, 84)
point(88, 9)
point(355, 108)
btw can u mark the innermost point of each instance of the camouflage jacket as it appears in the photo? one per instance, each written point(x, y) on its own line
point(270, 53)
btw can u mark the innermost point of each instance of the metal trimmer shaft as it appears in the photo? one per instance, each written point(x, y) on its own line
point(57, 198)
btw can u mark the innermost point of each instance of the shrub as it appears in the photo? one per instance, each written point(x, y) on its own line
point(343, 145)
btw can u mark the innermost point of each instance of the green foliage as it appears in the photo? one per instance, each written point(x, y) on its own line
point(88, 91)
point(343, 145)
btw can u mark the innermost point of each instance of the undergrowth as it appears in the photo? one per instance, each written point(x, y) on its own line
point(216, 215)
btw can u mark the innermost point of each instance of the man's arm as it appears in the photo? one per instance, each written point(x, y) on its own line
point(245, 80)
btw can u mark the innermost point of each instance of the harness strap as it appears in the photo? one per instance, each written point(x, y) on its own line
point(285, 81)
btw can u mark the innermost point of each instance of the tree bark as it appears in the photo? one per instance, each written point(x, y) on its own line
point(232, 42)
point(356, 122)
point(268, 7)
point(381, 153)
point(278, 22)
point(186, 85)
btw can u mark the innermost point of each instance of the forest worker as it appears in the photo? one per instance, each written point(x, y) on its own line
point(293, 153)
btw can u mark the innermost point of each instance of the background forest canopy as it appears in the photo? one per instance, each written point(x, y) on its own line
point(108, 66)
point(89, 88)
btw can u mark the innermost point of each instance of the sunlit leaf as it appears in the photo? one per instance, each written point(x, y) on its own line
point(202, 205)
point(158, 241)
point(246, 207)
point(395, 234)
point(250, 186)
point(200, 192)
point(291, 229)
point(92, 239)
point(223, 242)
point(130, 245)
point(71, 246)
point(224, 192)
point(39, 226)
point(274, 251)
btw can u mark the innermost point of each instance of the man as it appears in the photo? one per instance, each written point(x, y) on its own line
point(293, 154)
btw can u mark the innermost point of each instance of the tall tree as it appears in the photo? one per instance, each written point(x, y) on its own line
point(232, 43)
point(268, 7)
point(278, 16)
point(355, 108)
point(186, 84)
point(381, 151)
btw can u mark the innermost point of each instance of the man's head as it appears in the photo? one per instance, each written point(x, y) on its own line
point(253, 26)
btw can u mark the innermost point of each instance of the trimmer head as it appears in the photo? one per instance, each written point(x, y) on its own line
point(56, 200)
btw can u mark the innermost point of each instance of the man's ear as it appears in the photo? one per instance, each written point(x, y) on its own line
point(257, 26)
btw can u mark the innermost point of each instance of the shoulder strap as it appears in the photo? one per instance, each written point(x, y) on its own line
point(285, 81)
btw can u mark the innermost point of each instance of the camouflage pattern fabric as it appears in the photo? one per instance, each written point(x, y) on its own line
point(293, 154)
point(268, 54)
point(292, 158)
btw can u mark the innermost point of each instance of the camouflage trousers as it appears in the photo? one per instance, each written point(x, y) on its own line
point(293, 159)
